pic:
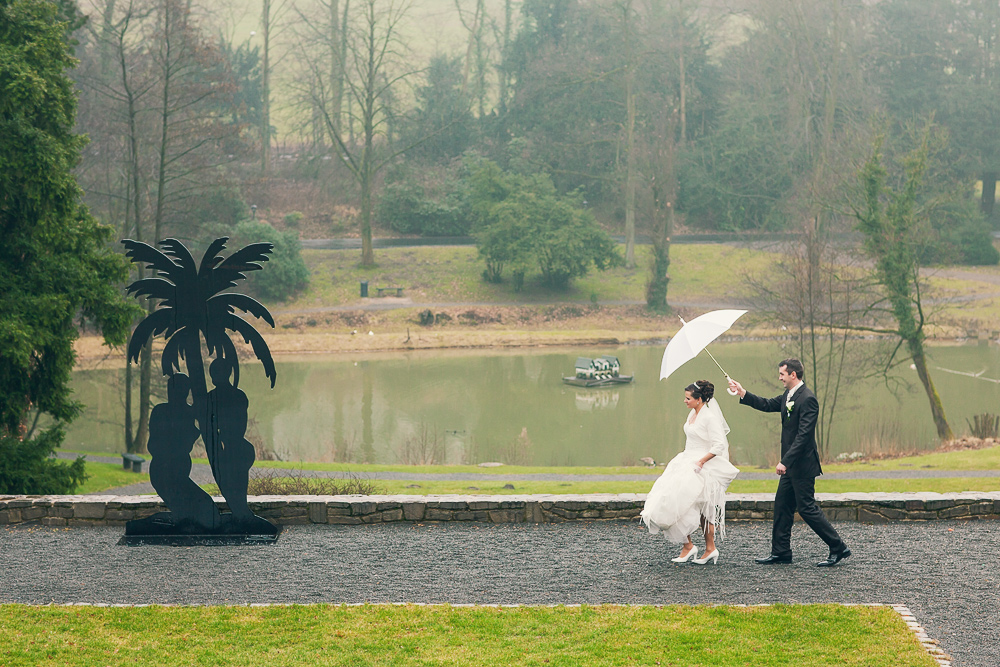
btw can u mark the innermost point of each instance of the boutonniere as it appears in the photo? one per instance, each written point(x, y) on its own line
point(788, 406)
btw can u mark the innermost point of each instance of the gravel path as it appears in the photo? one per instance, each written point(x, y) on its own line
point(946, 572)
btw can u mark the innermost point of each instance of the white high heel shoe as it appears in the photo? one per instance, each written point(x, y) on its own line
point(711, 556)
point(683, 559)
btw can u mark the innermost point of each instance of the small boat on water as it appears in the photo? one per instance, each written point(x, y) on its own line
point(600, 372)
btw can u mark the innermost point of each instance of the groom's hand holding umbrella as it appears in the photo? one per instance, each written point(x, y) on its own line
point(736, 388)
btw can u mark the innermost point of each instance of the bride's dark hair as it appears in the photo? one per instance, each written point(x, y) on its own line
point(702, 389)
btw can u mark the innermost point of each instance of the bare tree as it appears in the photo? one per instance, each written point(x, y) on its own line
point(372, 64)
point(321, 34)
point(123, 83)
point(271, 15)
point(164, 93)
point(476, 64)
point(631, 63)
point(821, 294)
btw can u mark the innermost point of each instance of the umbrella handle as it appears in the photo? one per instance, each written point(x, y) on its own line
point(729, 390)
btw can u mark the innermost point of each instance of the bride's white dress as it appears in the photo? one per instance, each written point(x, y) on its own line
point(681, 496)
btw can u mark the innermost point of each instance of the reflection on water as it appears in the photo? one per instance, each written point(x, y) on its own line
point(596, 399)
point(512, 407)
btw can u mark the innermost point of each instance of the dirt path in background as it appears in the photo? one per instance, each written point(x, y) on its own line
point(92, 353)
point(394, 325)
point(458, 327)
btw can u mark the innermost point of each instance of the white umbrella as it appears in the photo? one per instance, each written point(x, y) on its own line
point(694, 336)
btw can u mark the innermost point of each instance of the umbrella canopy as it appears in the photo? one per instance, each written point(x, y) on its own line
point(694, 336)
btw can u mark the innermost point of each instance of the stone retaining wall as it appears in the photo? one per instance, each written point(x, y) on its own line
point(355, 510)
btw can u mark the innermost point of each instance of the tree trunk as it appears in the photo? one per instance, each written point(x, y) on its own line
point(473, 32)
point(504, 75)
point(367, 253)
point(336, 64)
point(341, 73)
point(683, 82)
point(916, 349)
point(656, 293)
point(107, 29)
point(368, 119)
point(146, 355)
point(989, 197)
point(629, 142)
point(133, 442)
point(265, 129)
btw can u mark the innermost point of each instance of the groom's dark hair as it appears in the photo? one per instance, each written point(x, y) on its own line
point(794, 366)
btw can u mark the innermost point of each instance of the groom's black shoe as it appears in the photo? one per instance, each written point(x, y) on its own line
point(773, 560)
point(834, 558)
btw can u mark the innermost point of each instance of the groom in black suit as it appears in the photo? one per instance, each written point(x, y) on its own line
point(799, 465)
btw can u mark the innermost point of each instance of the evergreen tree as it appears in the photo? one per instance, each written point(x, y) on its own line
point(56, 267)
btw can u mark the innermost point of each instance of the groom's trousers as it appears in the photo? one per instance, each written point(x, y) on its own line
point(798, 494)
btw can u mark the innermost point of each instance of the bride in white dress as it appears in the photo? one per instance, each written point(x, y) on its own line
point(691, 492)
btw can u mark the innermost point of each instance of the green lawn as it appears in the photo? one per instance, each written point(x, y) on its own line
point(977, 459)
point(434, 487)
point(970, 459)
point(101, 476)
point(443, 635)
point(939, 485)
point(107, 475)
point(454, 274)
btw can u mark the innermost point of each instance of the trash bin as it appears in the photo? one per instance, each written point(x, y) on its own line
point(364, 288)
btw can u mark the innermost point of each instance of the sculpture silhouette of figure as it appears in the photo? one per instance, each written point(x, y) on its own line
point(172, 434)
point(195, 311)
point(224, 429)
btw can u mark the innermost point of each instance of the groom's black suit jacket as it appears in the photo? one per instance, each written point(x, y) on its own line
point(798, 429)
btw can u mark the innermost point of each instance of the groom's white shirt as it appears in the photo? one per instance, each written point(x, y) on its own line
point(791, 392)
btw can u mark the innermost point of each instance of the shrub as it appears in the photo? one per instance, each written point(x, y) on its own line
point(285, 273)
point(959, 237)
point(272, 482)
point(406, 208)
point(975, 245)
point(27, 469)
point(221, 204)
point(521, 221)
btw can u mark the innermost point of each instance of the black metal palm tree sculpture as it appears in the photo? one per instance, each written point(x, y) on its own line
point(193, 304)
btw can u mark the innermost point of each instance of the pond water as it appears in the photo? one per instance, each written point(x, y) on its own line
point(512, 407)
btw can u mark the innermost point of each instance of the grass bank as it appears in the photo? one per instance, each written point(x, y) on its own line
point(971, 459)
point(378, 635)
point(987, 458)
point(101, 476)
point(936, 485)
point(472, 313)
point(454, 275)
point(105, 476)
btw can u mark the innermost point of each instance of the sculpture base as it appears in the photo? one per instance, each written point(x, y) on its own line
point(161, 529)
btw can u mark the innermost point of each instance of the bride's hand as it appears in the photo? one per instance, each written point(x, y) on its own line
point(697, 470)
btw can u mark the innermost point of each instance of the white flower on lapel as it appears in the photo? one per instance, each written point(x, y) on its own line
point(788, 406)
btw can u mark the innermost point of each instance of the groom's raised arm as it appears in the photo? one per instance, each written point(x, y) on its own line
point(763, 404)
